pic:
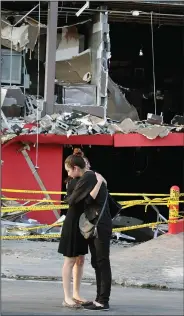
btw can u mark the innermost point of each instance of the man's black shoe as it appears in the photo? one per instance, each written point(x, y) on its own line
point(93, 307)
point(87, 304)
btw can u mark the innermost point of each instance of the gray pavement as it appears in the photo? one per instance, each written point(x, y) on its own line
point(157, 263)
point(45, 298)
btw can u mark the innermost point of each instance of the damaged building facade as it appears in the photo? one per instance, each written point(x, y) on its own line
point(109, 79)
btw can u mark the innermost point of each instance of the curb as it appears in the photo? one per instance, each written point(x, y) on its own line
point(93, 282)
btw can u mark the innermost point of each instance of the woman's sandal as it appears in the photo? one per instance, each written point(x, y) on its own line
point(75, 306)
point(82, 303)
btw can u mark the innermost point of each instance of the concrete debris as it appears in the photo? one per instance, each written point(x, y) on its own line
point(16, 223)
point(30, 118)
point(178, 120)
point(152, 132)
point(128, 126)
point(46, 123)
point(78, 123)
point(155, 119)
point(12, 224)
point(75, 122)
point(9, 228)
point(15, 228)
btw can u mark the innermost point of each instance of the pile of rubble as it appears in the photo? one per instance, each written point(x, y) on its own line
point(19, 224)
point(73, 122)
point(78, 123)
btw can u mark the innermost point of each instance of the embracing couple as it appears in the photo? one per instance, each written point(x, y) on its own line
point(86, 194)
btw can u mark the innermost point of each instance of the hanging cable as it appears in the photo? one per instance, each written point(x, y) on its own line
point(11, 55)
point(153, 62)
point(38, 92)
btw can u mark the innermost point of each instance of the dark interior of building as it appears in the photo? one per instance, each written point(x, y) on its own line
point(136, 170)
point(132, 66)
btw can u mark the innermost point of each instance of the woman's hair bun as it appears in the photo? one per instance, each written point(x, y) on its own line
point(78, 152)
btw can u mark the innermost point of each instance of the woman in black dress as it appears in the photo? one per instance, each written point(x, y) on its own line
point(73, 245)
point(90, 193)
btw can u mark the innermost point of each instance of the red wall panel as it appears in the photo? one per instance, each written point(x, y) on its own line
point(16, 174)
point(136, 140)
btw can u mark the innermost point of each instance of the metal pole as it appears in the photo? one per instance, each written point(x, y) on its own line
point(11, 52)
point(50, 63)
point(174, 209)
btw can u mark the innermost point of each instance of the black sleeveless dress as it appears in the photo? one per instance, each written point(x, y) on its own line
point(72, 243)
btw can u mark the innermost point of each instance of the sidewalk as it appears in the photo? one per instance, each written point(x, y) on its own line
point(157, 263)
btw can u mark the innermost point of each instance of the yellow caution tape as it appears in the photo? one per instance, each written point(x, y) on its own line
point(32, 208)
point(41, 208)
point(58, 201)
point(37, 200)
point(18, 228)
point(32, 191)
point(138, 194)
point(31, 237)
point(120, 229)
point(125, 204)
point(152, 225)
point(62, 192)
point(61, 224)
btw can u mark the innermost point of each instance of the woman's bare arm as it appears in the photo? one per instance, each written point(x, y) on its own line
point(95, 190)
point(97, 187)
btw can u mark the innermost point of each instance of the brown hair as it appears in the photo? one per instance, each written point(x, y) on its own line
point(78, 152)
point(75, 160)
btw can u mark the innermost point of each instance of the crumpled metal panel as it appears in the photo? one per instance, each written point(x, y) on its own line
point(118, 106)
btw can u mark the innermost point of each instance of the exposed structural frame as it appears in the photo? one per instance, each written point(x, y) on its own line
point(100, 47)
point(100, 54)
